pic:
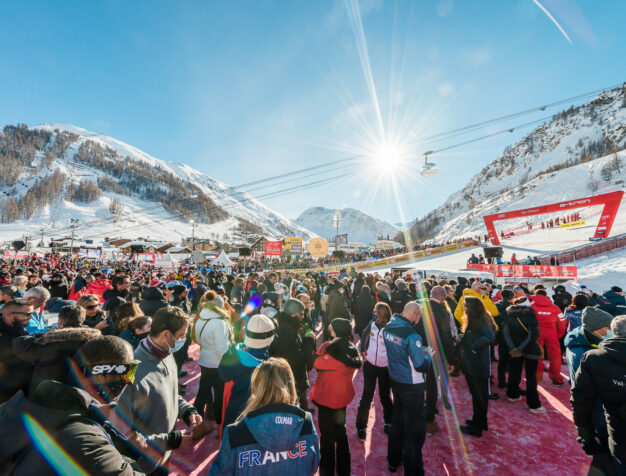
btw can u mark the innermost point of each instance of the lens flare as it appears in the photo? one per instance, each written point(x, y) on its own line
point(50, 450)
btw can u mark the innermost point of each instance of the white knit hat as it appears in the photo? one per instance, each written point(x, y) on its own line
point(259, 332)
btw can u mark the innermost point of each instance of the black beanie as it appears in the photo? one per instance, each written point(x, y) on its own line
point(342, 327)
point(507, 294)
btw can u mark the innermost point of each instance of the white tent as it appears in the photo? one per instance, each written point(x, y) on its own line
point(223, 260)
point(167, 261)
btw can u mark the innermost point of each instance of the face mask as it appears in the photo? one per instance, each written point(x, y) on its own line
point(142, 336)
point(608, 334)
point(178, 344)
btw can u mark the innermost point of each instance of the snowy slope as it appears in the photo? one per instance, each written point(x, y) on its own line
point(566, 184)
point(361, 228)
point(570, 138)
point(140, 217)
point(601, 272)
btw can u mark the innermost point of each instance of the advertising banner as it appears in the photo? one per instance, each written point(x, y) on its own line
point(573, 224)
point(450, 247)
point(610, 202)
point(293, 246)
point(318, 247)
point(273, 248)
point(341, 239)
point(12, 254)
point(527, 271)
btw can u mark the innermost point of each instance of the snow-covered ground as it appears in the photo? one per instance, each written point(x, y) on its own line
point(600, 273)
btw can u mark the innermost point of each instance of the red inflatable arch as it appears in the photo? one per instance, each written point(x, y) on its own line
point(611, 202)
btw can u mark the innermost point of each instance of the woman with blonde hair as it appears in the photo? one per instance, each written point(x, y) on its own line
point(272, 435)
point(94, 316)
point(214, 332)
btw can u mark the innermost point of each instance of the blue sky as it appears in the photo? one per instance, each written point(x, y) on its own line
point(243, 90)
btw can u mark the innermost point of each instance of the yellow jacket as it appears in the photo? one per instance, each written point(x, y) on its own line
point(489, 305)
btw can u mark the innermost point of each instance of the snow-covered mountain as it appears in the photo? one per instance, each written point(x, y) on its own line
point(571, 156)
point(361, 228)
point(52, 173)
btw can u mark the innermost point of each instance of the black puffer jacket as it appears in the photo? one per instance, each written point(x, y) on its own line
point(399, 298)
point(16, 373)
point(442, 318)
point(290, 346)
point(51, 352)
point(521, 331)
point(58, 286)
point(67, 414)
point(602, 375)
point(475, 358)
point(152, 301)
point(114, 299)
point(363, 308)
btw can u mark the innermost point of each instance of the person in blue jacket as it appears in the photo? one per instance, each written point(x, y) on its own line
point(240, 361)
point(272, 435)
point(574, 313)
point(38, 296)
point(614, 302)
point(408, 364)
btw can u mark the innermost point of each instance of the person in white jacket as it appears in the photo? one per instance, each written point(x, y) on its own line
point(214, 332)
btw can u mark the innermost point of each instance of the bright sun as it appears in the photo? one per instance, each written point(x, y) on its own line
point(387, 159)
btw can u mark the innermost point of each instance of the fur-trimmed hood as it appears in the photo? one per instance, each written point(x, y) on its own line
point(211, 311)
point(69, 334)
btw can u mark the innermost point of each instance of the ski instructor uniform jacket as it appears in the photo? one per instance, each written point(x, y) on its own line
point(408, 364)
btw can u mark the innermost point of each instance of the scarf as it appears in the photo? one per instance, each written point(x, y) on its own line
point(154, 349)
point(260, 354)
point(345, 352)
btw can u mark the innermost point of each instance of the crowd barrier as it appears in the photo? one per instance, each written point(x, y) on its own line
point(405, 258)
point(526, 271)
point(586, 251)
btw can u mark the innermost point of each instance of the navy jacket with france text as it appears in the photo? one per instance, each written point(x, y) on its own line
point(275, 439)
point(408, 363)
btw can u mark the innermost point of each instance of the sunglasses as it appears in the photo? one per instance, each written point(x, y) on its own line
point(93, 306)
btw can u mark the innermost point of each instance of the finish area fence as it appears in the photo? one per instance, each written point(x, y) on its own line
point(586, 251)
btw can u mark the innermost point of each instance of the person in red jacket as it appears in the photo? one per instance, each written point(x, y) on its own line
point(552, 326)
point(336, 364)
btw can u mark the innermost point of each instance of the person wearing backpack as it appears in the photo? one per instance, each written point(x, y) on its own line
point(214, 333)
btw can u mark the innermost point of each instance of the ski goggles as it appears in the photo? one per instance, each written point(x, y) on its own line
point(125, 371)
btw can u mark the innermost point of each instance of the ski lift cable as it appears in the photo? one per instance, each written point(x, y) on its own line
point(96, 222)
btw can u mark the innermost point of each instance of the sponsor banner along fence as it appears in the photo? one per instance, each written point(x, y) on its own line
point(386, 262)
point(573, 224)
point(526, 271)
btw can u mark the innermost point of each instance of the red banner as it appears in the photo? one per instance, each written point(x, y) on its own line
point(13, 254)
point(273, 248)
point(611, 202)
point(526, 271)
